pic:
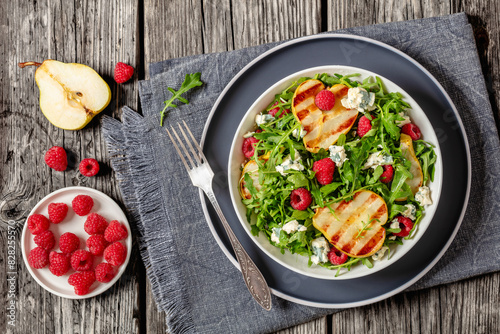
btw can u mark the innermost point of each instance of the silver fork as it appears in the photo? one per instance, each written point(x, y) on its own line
point(201, 175)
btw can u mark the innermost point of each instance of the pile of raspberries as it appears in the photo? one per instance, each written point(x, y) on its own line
point(104, 241)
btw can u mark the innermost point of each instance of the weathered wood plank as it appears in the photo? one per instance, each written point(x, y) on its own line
point(451, 308)
point(98, 34)
point(225, 25)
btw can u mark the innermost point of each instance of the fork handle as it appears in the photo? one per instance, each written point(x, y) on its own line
point(252, 276)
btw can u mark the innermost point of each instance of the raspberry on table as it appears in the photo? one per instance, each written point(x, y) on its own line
point(57, 212)
point(123, 72)
point(336, 257)
point(248, 147)
point(96, 244)
point(274, 111)
point(81, 260)
point(95, 224)
point(324, 169)
point(364, 125)
point(58, 263)
point(115, 254)
point(38, 258)
point(405, 224)
point(115, 231)
point(69, 242)
point(104, 272)
point(82, 204)
point(388, 174)
point(411, 130)
point(325, 100)
point(45, 240)
point(300, 199)
point(56, 158)
point(89, 167)
point(82, 281)
point(38, 223)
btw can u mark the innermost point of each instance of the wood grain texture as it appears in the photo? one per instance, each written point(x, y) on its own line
point(98, 34)
point(465, 307)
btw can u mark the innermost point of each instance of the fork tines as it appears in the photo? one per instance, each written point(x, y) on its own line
point(197, 152)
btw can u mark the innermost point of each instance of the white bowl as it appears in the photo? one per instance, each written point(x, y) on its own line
point(297, 262)
point(103, 205)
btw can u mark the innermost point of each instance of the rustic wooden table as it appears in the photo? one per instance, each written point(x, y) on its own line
point(100, 33)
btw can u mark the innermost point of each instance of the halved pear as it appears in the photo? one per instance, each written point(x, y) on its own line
point(354, 227)
point(70, 94)
point(406, 146)
point(252, 169)
point(323, 127)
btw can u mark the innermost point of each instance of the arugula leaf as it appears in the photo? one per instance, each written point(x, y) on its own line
point(190, 81)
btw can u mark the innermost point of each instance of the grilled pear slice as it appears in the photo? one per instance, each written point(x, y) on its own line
point(252, 169)
point(406, 145)
point(323, 127)
point(354, 227)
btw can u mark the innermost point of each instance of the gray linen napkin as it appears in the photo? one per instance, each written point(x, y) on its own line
point(192, 280)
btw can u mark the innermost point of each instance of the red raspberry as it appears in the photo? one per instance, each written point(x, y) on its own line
point(115, 254)
point(68, 243)
point(387, 175)
point(411, 130)
point(38, 258)
point(59, 263)
point(56, 158)
point(364, 125)
point(81, 260)
point(123, 72)
point(96, 244)
point(89, 167)
point(82, 281)
point(95, 224)
point(300, 198)
point(82, 204)
point(38, 223)
point(405, 224)
point(325, 100)
point(274, 111)
point(45, 240)
point(324, 169)
point(336, 257)
point(104, 272)
point(115, 231)
point(57, 212)
point(248, 147)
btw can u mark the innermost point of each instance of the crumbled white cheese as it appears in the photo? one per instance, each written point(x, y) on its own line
point(320, 248)
point(263, 118)
point(406, 120)
point(248, 134)
point(380, 253)
point(392, 237)
point(293, 226)
point(394, 224)
point(337, 154)
point(299, 133)
point(358, 98)
point(275, 236)
point(377, 159)
point(288, 164)
point(423, 196)
point(410, 211)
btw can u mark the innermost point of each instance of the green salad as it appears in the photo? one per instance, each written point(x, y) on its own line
point(324, 149)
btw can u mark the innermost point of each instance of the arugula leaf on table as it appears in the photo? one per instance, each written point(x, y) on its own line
point(192, 80)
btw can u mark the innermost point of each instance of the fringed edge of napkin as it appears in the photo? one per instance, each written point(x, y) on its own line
point(129, 166)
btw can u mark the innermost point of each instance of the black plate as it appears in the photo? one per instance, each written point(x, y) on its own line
point(294, 56)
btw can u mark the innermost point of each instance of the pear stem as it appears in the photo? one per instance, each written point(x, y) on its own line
point(28, 63)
